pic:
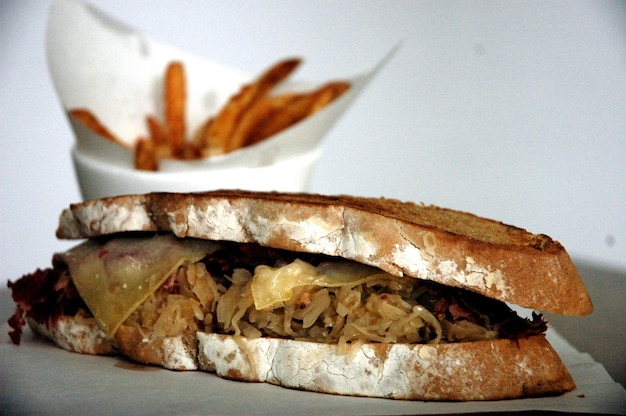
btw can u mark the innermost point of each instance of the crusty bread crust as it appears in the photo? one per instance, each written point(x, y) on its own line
point(75, 334)
point(84, 335)
point(442, 245)
point(173, 353)
point(482, 370)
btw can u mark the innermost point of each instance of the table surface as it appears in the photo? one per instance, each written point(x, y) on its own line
point(603, 333)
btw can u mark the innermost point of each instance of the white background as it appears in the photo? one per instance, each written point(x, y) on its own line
point(511, 110)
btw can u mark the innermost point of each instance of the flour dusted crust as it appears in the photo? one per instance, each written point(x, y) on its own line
point(483, 370)
point(442, 245)
point(84, 335)
point(173, 353)
point(76, 334)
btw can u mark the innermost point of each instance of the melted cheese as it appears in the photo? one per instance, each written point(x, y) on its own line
point(271, 286)
point(115, 277)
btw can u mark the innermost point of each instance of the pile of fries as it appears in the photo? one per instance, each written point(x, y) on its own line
point(251, 115)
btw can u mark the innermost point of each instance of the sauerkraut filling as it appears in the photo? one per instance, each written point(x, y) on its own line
point(259, 292)
point(165, 287)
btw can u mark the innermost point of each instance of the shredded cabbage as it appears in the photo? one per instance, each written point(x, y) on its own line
point(116, 276)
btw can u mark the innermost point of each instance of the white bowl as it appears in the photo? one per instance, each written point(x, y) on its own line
point(100, 178)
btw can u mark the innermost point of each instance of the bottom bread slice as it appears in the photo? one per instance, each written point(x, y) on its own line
point(174, 353)
point(76, 334)
point(86, 337)
point(482, 370)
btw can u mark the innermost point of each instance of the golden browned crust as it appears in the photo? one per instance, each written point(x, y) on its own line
point(427, 242)
point(84, 335)
point(483, 370)
point(173, 353)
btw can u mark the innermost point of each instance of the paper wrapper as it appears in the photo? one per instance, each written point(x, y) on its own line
point(102, 65)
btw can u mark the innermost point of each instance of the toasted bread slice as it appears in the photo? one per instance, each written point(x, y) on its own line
point(427, 242)
point(76, 334)
point(83, 335)
point(452, 372)
point(481, 370)
point(174, 353)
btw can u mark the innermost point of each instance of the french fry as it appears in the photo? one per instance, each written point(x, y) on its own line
point(251, 119)
point(218, 135)
point(191, 151)
point(199, 140)
point(327, 94)
point(290, 109)
point(157, 131)
point(282, 117)
point(175, 97)
point(253, 124)
point(145, 155)
point(159, 137)
point(89, 120)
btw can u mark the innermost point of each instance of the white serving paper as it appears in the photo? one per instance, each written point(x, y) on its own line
point(103, 65)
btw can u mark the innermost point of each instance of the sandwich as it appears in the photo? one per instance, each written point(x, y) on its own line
point(334, 294)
